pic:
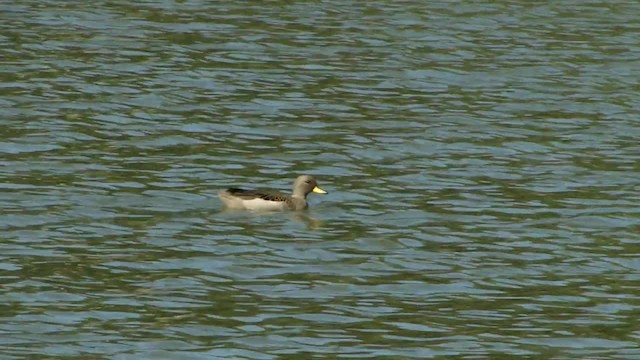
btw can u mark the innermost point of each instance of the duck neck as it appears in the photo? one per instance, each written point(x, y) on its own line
point(299, 195)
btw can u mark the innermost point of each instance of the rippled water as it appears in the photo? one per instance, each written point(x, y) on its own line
point(481, 159)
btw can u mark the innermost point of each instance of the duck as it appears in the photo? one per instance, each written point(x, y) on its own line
point(267, 200)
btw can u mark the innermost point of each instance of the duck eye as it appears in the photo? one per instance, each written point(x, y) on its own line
point(308, 181)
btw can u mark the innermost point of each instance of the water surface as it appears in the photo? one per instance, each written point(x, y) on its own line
point(481, 159)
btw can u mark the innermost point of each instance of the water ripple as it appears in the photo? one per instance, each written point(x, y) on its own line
point(480, 159)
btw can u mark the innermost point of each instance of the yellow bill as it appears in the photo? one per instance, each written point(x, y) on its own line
point(318, 190)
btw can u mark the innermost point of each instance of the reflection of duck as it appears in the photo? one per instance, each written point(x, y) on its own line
point(268, 200)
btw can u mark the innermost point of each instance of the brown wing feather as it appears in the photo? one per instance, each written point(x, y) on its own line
point(273, 197)
point(252, 194)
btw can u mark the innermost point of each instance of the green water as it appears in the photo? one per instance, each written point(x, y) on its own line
point(481, 160)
